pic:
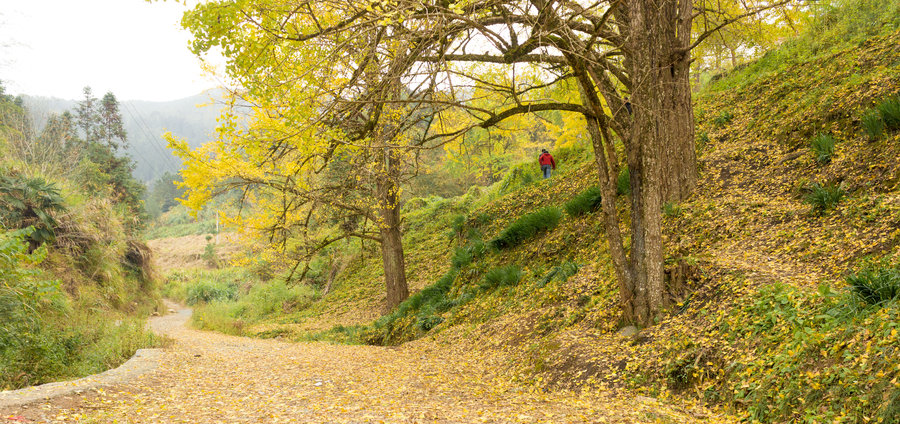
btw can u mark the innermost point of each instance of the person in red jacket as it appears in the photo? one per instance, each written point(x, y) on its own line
point(547, 162)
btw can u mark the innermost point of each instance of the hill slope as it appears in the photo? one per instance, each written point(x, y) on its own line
point(763, 320)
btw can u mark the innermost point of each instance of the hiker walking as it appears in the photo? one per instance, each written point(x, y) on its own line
point(547, 162)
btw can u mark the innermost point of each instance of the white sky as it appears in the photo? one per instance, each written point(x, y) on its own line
point(133, 48)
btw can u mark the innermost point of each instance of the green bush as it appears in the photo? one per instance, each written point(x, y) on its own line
point(570, 157)
point(520, 175)
point(702, 140)
point(458, 226)
point(876, 285)
point(30, 203)
point(623, 182)
point(43, 336)
point(822, 146)
point(504, 276)
point(206, 291)
point(527, 227)
point(873, 124)
point(584, 202)
point(209, 253)
point(890, 112)
point(824, 197)
point(276, 296)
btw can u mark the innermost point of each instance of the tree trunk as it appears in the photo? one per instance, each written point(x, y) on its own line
point(391, 239)
point(661, 156)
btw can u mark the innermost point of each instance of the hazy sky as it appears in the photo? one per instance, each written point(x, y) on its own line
point(133, 48)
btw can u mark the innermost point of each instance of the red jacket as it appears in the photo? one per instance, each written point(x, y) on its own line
point(547, 159)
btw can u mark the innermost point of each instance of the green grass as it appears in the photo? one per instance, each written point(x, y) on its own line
point(889, 109)
point(527, 227)
point(824, 197)
point(228, 300)
point(873, 124)
point(585, 202)
point(822, 146)
point(509, 275)
point(46, 336)
point(623, 182)
point(723, 119)
point(671, 210)
point(805, 359)
point(876, 285)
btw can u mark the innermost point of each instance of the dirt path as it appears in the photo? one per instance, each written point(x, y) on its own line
point(213, 378)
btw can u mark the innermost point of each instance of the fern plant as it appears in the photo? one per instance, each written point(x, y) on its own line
point(30, 202)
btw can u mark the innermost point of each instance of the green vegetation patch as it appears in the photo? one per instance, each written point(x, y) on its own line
point(509, 275)
point(527, 227)
point(585, 202)
point(45, 336)
point(876, 285)
point(822, 198)
point(822, 146)
point(889, 109)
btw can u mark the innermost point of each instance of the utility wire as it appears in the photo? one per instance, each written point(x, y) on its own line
point(154, 140)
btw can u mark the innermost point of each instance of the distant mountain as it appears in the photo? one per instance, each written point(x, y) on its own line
point(192, 118)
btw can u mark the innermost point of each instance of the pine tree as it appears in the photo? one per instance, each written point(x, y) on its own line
point(111, 129)
point(86, 115)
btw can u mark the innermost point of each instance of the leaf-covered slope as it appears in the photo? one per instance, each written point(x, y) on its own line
point(762, 320)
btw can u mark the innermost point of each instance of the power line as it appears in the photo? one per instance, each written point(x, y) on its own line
point(154, 141)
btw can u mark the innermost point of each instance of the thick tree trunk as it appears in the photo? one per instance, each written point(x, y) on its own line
point(391, 238)
point(660, 151)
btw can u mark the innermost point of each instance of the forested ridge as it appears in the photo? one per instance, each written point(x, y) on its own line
point(718, 241)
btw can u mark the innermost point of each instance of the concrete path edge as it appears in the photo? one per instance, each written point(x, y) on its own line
point(142, 362)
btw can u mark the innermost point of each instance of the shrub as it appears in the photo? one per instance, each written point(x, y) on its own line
point(569, 157)
point(824, 197)
point(873, 124)
point(30, 202)
point(504, 276)
point(209, 253)
point(876, 285)
point(528, 226)
point(623, 183)
point(206, 291)
point(458, 226)
point(890, 112)
point(520, 175)
point(822, 146)
point(586, 201)
point(276, 296)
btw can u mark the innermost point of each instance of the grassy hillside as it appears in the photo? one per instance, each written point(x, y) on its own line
point(783, 268)
point(76, 285)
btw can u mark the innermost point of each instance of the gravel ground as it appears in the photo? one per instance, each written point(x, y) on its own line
point(208, 377)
